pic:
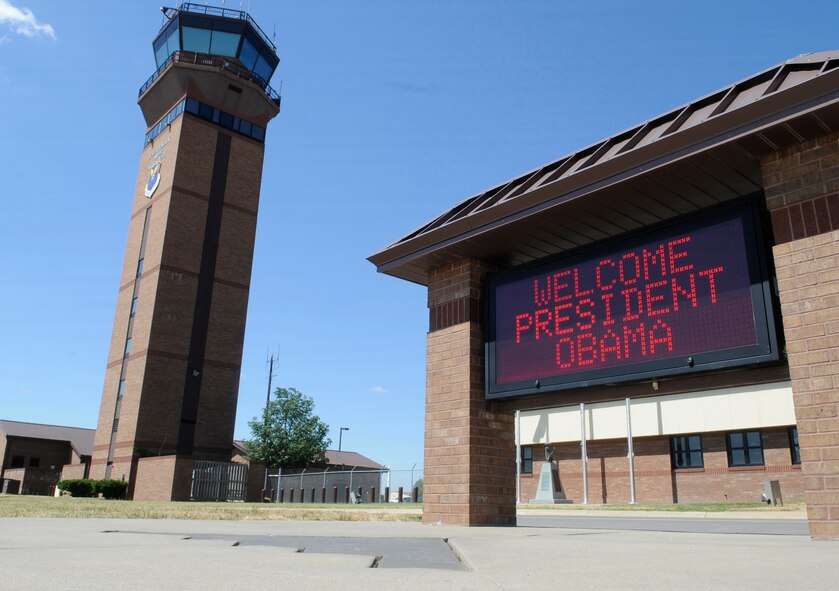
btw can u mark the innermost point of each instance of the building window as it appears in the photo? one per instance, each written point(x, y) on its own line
point(17, 461)
point(34, 462)
point(527, 459)
point(793, 445)
point(121, 390)
point(687, 451)
point(226, 120)
point(139, 267)
point(133, 307)
point(205, 111)
point(745, 448)
point(127, 346)
point(116, 425)
point(209, 113)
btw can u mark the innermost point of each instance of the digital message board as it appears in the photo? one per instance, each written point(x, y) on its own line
point(686, 297)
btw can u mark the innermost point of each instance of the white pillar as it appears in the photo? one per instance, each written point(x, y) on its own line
point(630, 453)
point(518, 456)
point(584, 451)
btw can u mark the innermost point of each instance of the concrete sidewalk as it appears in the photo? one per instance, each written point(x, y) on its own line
point(168, 554)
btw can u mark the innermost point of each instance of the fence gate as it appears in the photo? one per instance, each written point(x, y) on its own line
point(219, 481)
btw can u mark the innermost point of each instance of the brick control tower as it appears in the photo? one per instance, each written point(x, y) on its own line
point(172, 375)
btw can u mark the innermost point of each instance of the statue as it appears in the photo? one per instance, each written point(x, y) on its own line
point(546, 492)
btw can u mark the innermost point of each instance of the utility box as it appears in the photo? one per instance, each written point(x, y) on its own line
point(772, 492)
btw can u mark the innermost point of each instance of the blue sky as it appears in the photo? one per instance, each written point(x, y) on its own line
point(392, 112)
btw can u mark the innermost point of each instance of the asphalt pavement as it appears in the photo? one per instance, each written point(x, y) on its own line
point(577, 554)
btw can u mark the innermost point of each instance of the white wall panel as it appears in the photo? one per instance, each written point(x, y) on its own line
point(746, 407)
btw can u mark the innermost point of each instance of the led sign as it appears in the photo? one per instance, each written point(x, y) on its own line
point(688, 297)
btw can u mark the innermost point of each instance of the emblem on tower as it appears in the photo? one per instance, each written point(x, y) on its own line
point(154, 179)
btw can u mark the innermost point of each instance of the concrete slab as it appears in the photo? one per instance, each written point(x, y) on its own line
point(144, 554)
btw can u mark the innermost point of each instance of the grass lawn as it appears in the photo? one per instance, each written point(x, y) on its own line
point(68, 507)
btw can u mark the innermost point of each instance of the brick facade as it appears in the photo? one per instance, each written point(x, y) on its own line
point(163, 478)
point(802, 194)
point(195, 236)
point(74, 471)
point(469, 443)
point(256, 480)
point(657, 482)
point(34, 481)
point(50, 454)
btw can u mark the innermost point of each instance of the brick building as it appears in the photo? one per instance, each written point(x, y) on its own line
point(172, 375)
point(728, 369)
point(33, 455)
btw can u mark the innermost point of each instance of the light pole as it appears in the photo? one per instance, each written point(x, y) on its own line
point(341, 436)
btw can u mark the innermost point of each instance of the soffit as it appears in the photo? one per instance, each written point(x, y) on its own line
point(701, 154)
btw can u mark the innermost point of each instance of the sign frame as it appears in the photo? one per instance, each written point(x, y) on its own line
point(764, 307)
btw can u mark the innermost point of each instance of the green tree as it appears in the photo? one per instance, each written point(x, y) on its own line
point(289, 435)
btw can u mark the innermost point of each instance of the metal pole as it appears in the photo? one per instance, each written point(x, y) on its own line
point(630, 453)
point(518, 456)
point(302, 490)
point(279, 481)
point(268, 400)
point(412, 481)
point(270, 375)
point(584, 451)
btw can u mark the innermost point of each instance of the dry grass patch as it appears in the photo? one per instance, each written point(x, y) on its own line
point(72, 508)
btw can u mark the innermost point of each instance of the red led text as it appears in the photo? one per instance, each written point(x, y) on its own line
point(619, 308)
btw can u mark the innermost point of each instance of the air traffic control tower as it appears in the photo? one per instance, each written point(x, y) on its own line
point(172, 374)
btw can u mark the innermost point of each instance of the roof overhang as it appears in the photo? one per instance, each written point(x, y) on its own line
point(704, 153)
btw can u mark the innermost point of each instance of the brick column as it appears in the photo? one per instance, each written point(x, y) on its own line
point(469, 444)
point(801, 186)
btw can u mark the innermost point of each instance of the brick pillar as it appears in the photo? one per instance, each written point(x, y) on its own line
point(469, 444)
point(801, 186)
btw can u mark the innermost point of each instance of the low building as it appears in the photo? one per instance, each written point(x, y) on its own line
point(350, 460)
point(34, 455)
point(343, 473)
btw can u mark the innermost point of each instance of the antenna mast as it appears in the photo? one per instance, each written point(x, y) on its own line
point(271, 374)
point(267, 400)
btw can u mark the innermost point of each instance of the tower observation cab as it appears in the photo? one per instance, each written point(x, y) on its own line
point(217, 31)
point(196, 37)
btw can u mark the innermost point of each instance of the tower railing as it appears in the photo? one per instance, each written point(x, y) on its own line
point(216, 61)
point(227, 13)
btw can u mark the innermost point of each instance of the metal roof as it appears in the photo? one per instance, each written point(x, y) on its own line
point(239, 446)
point(705, 152)
point(333, 458)
point(350, 458)
point(79, 438)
